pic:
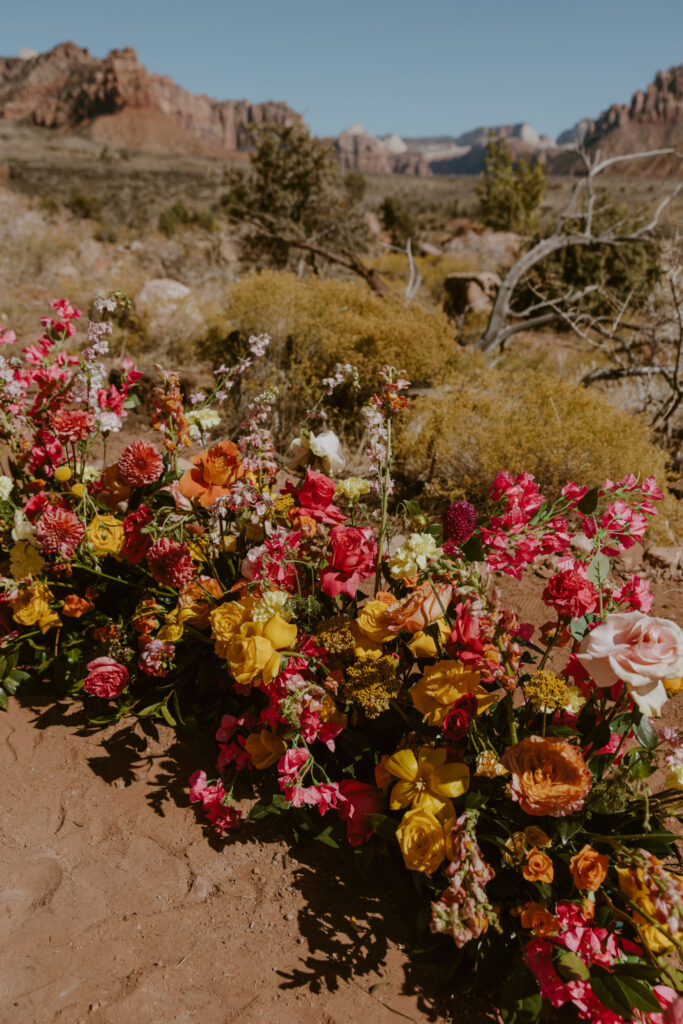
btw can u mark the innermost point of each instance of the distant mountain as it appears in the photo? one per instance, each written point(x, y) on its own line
point(116, 100)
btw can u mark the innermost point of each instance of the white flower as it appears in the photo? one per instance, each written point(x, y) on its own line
point(414, 555)
point(674, 779)
point(272, 603)
point(24, 560)
point(575, 701)
point(202, 420)
point(326, 447)
point(6, 485)
point(23, 528)
point(352, 488)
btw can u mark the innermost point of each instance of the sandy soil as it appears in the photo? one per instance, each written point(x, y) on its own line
point(118, 906)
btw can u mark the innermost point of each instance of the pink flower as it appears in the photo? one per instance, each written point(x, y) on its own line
point(291, 766)
point(571, 593)
point(105, 678)
point(314, 498)
point(59, 531)
point(352, 560)
point(640, 650)
point(360, 800)
point(635, 593)
point(72, 425)
point(324, 796)
point(156, 658)
point(272, 560)
point(459, 521)
point(170, 563)
point(140, 463)
point(213, 798)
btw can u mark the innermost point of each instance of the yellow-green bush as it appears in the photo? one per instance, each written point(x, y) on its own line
point(316, 322)
point(456, 439)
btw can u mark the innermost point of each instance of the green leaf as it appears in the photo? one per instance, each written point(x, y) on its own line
point(566, 829)
point(600, 736)
point(168, 717)
point(4, 700)
point(598, 570)
point(610, 991)
point(473, 549)
point(578, 627)
point(151, 709)
point(645, 732)
point(520, 1000)
point(378, 984)
point(589, 502)
point(571, 967)
point(326, 837)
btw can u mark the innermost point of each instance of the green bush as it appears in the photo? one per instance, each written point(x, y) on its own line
point(178, 216)
point(510, 192)
point(398, 220)
point(84, 206)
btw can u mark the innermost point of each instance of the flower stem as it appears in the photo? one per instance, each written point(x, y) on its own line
point(385, 502)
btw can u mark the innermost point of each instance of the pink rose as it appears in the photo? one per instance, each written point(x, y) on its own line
point(105, 678)
point(352, 560)
point(360, 800)
point(314, 498)
point(641, 650)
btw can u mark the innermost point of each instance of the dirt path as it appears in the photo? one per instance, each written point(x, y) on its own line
point(118, 906)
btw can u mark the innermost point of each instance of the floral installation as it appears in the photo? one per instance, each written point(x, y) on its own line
point(353, 658)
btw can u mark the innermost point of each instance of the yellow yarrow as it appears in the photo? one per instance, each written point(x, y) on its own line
point(372, 683)
point(547, 692)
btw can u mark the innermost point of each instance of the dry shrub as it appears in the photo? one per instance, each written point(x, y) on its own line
point(456, 439)
point(315, 323)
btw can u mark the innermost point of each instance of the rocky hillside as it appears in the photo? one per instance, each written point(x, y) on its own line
point(652, 120)
point(116, 100)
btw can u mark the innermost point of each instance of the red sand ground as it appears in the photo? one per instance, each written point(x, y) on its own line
point(118, 906)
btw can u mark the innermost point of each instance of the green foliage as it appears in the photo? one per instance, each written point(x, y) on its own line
point(398, 220)
point(623, 272)
point(356, 185)
point(178, 216)
point(510, 191)
point(85, 206)
point(294, 192)
point(314, 323)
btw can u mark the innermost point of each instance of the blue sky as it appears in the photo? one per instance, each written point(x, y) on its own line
point(424, 67)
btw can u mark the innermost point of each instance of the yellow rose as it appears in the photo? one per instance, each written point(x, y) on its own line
point(264, 748)
point(25, 560)
point(105, 535)
point(253, 651)
point(372, 621)
point(422, 841)
point(280, 633)
point(226, 620)
point(441, 685)
point(363, 647)
point(422, 645)
point(31, 607)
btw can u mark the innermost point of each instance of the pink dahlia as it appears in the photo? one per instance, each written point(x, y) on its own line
point(170, 563)
point(59, 531)
point(72, 425)
point(140, 463)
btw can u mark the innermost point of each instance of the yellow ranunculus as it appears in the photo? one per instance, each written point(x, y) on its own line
point(105, 535)
point(172, 630)
point(264, 748)
point(441, 685)
point(422, 840)
point(31, 607)
point(422, 645)
point(371, 622)
point(426, 781)
point(329, 712)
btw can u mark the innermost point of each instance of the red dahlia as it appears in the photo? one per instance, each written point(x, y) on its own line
point(170, 563)
point(72, 425)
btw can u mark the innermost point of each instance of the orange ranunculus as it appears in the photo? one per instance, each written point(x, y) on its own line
point(75, 606)
point(198, 597)
point(441, 685)
point(214, 472)
point(538, 867)
point(549, 776)
point(539, 920)
point(424, 605)
point(589, 868)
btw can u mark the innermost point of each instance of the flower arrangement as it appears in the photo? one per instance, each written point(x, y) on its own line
point(358, 655)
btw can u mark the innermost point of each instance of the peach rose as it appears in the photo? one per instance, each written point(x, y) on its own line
point(589, 868)
point(426, 604)
point(538, 867)
point(549, 776)
point(215, 470)
point(641, 650)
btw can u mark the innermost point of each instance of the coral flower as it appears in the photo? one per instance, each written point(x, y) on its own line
point(426, 781)
point(59, 531)
point(170, 563)
point(549, 776)
point(214, 473)
point(140, 463)
point(72, 425)
point(424, 605)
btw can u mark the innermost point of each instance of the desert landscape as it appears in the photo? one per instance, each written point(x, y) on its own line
point(330, 458)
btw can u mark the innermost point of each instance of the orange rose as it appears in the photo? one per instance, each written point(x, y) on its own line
point(214, 473)
point(549, 776)
point(426, 604)
point(589, 868)
point(198, 597)
point(75, 606)
point(539, 920)
point(538, 867)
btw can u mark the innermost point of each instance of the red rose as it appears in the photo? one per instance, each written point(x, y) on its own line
point(105, 678)
point(360, 800)
point(571, 593)
point(457, 721)
point(352, 559)
point(136, 544)
point(314, 498)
